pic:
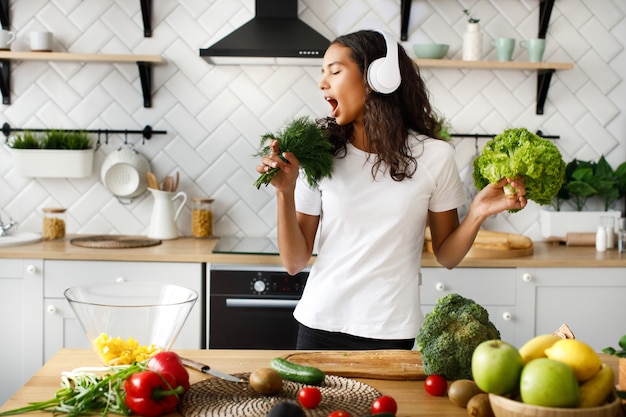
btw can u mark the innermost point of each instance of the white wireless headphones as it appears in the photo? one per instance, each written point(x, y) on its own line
point(383, 75)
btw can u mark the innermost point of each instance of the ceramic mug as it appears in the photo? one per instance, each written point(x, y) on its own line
point(6, 38)
point(504, 48)
point(40, 41)
point(536, 47)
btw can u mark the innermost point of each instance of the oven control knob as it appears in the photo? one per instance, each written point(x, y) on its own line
point(259, 286)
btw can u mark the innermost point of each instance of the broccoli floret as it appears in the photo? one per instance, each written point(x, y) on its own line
point(449, 335)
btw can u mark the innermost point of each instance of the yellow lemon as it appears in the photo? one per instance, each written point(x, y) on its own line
point(578, 355)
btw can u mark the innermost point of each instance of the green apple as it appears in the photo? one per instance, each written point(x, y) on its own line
point(496, 367)
point(549, 383)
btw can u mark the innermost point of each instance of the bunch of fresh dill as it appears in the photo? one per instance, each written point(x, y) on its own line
point(308, 142)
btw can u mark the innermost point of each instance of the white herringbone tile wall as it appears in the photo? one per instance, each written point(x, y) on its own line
point(214, 116)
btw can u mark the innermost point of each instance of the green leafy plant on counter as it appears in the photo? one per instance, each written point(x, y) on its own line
point(586, 179)
point(518, 152)
point(621, 353)
point(308, 142)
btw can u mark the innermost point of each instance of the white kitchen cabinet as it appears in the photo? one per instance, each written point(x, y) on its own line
point(62, 329)
point(493, 288)
point(21, 342)
point(589, 300)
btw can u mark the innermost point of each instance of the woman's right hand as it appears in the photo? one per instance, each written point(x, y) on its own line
point(288, 164)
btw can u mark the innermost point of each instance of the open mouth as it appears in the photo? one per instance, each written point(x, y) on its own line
point(333, 104)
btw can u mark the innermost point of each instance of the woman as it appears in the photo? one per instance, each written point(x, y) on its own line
point(390, 177)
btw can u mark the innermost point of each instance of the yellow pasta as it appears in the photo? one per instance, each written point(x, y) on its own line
point(116, 351)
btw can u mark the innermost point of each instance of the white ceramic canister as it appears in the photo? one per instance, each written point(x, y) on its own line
point(473, 43)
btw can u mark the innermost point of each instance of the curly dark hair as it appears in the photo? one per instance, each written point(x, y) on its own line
point(387, 117)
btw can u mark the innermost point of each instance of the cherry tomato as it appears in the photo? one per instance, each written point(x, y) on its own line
point(309, 397)
point(384, 404)
point(436, 385)
point(339, 413)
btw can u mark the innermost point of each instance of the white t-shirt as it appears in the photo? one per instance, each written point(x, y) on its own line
point(365, 280)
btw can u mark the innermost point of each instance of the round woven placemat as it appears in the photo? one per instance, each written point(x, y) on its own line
point(215, 397)
point(114, 241)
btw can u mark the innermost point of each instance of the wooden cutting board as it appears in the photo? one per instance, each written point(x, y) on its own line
point(402, 365)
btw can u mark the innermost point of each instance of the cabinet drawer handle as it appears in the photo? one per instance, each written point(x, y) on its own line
point(31, 269)
point(440, 286)
point(120, 279)
point(506, 316)
point(527, 277)
point(51, 309)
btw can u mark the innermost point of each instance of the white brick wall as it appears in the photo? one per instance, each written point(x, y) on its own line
point(214, 116)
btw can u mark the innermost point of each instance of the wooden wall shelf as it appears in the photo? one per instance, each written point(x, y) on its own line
point(144, 64)
point(493, 65)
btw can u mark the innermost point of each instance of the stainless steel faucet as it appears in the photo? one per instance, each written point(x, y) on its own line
point(4, 228)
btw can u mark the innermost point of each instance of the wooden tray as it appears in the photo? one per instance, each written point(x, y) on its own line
point(401, 365)
point(476, 252)
point(114, 242)
point(214, 397)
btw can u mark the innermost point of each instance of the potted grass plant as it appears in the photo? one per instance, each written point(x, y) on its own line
point(53, 154)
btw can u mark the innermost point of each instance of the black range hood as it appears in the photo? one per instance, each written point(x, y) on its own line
point(275, 36)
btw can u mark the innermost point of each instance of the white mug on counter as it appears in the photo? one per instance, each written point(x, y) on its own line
point(6, 38)
point(40, 41)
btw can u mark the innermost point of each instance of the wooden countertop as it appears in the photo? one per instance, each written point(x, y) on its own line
point(200, 250)
point(411, 397)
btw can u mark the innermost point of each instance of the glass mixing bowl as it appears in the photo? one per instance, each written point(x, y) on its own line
point(131, 321)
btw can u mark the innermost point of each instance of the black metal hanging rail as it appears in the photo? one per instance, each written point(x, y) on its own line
point(493, 135)
point(146, 132)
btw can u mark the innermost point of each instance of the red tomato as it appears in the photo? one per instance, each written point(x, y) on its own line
point(339, 413)
point(384, 404)
point(436, 385)
point(309, 397)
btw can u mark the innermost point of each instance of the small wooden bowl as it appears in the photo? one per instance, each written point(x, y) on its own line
point(505, 407)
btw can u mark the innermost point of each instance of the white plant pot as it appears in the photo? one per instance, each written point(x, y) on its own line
point(557, 224)
point(53, 163)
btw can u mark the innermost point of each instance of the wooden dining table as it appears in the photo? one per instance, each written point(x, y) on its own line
point(411, 397)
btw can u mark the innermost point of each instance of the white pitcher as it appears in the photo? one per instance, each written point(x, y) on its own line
point(163, 220)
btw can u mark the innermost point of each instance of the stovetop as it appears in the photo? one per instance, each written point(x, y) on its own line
point(247, 245)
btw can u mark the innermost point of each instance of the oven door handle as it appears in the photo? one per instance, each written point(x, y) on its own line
point(260, 303)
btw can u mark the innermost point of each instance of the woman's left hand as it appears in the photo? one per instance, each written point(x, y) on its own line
point(492, 199)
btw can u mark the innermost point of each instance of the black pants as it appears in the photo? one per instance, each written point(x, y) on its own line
point(312, 339)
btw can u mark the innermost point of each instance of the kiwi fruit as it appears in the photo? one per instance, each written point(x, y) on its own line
point(461, 391)
point(265, 381)
point(479, 406)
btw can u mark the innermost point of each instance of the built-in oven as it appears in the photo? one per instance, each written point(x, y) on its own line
point(251, 306)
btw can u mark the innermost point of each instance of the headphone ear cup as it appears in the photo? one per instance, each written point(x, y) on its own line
point(383, 74)
point(382, 79)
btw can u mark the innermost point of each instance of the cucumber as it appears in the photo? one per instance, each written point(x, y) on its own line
point(297, 373)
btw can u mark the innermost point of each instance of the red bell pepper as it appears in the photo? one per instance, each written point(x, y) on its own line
point(170, 362)
point(152, 394)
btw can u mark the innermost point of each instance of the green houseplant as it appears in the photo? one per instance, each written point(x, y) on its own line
point(53, 154)
point(585, 183)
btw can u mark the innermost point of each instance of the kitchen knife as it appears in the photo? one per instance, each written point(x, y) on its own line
point(206, 369)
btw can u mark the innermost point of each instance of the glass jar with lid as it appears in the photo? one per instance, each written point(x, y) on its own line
point(202, 217)
point(53, 223)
